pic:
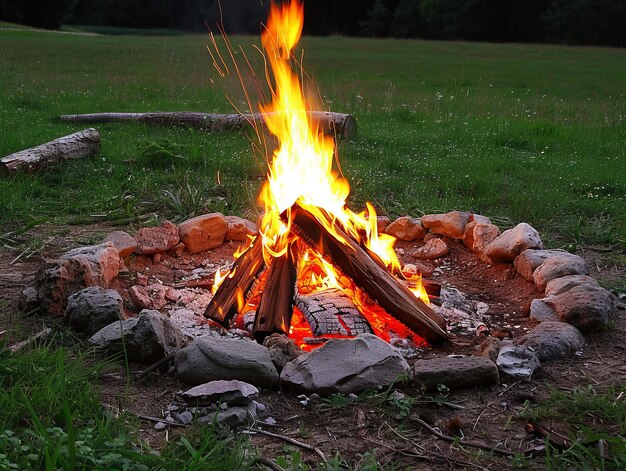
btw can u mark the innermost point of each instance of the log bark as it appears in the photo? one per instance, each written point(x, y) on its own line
point(390, 294)
point(223, 307)
point(74, 146)
point(276, 306)
point(339, 124)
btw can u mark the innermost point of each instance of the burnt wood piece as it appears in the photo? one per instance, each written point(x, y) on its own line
point(330, 311)
point(74, 146)
point(223, 307)
point(276, 305)
point(340, 124)
point(386, 290)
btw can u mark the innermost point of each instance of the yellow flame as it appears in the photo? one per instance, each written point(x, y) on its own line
point(302, 167)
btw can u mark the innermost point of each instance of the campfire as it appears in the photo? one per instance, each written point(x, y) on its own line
point(314, 258)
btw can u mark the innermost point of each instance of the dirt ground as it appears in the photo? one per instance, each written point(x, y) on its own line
point(370, 427)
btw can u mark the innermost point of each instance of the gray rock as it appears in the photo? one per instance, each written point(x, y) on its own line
point(212, 358)
point(565, 283)
point(528, 261)
point(234, 416)
point(517, 361)
point(451, 224)
point(543, 311)
point(185, 417)
point(160, 426)
point(159, 239)
point(345, 366)
point(553, 340)
point(233, 393)
point(406, 228)
point(123, 242)
point(29, 300)
point(455, 373)
point(557, 267)
point(145, 339)
point(93, 308)
point(75, 270)
point(513, 242)
point(282, 350)
point(586, 307)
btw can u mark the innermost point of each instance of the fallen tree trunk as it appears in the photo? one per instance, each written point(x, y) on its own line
point(342, 125)
point(75, 146)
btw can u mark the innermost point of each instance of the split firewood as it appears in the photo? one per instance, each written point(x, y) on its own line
point(223, 307)
point(276, 306)
point(74, 146)
point(339, 124)
point(390, 294)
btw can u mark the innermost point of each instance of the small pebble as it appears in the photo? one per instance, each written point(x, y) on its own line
point(160, 426)
point(270, 421)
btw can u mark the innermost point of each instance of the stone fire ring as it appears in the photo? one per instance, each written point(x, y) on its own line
point(82, 287)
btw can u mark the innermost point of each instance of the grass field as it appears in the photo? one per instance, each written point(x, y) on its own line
point(516, 132)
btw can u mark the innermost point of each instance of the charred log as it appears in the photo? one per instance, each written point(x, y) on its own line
point(276, 305)
point(224, 305)
point(339, 124)
point(390, 294)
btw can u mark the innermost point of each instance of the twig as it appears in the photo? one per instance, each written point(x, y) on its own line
point(157, 420)
point(154, 366)
point(24, 343)
point(471, 444)
point(289, 440)
point(269, 463)
point(509, 388)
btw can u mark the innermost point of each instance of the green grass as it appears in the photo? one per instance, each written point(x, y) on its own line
point(51, 418)
point(516, 132)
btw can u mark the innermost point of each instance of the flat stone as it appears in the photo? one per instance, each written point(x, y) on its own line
point(234, 416)
point(558, 266)
point(517, 361)
point(123, 242)
point(204, 232)
point(434, 248)
point(478, 235)
point(528, 261)
point(93, 308)
point(406, 228)
point(145, 339)
point(159, 239)
point(543, 311)
point(479, 219)
point(455, 373)
point(238, 229)
point(233, 393)
point(282, 350)
point(565, 283)
point(148, 297)
point(450, 224)
point(553, 340)
point(513, 242)
point(345, 366)
point(212, 358)
point(75, 270)
point(586, 307)
point(489, 348)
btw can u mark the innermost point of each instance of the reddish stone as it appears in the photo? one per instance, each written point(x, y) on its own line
point(451, 224)
point(478, 235)
point(151, 240)
point(434, 248)
point(123, 242)
point(238, 229)
point(204, 232)
point(513, 242)
point(406, 228)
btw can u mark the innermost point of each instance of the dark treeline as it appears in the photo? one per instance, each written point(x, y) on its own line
point(597, 22)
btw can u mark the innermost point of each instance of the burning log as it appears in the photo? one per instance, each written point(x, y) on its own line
point(330, 311)
point(342, 125)
point(390, 294)
point(276, 306)
point(224, 305)
point(73, 146)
